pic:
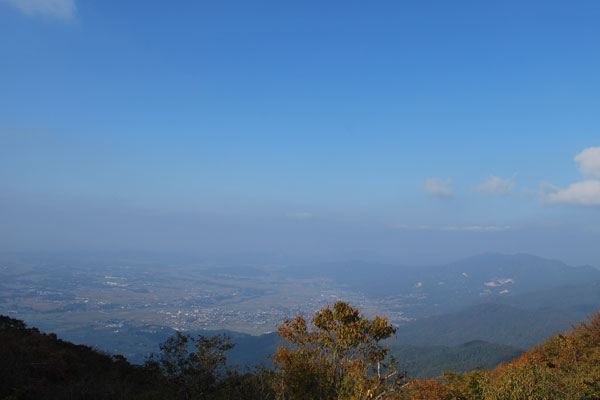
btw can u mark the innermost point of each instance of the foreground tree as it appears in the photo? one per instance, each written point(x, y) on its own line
point(340, 358)
point(193, 366)
point(250, 384)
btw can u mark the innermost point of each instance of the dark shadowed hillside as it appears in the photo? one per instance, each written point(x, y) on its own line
point(496, 323)
point(35, 365)
point(432, 361)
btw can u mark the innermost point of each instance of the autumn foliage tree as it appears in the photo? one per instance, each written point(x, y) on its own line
point(339, 356)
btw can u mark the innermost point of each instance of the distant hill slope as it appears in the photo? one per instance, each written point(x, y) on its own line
point(253, 350)
point(490, 322)
point(431, 361)
point(579, 299)
point(133, 342)
point(137, 342)
point(417, 361)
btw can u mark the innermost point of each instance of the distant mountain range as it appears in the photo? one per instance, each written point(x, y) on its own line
point(438, 289)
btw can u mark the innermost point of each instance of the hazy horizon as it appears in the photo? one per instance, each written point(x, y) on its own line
point(274, 132)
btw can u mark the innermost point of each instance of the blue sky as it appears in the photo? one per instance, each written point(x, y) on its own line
point(403, 131)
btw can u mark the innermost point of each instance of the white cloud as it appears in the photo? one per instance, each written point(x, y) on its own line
point(64, 9)
point(299, 215)
point(439, 188)
point(584, 193)
point(589, 162)
point(496, 186)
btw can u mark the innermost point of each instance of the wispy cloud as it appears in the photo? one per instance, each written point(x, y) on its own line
point(584, 193)
point(62, 9)
point(495, 185)
point(469, 228)
point(299, 215)
point(439, 188)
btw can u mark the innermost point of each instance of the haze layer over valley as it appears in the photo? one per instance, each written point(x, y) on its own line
point(128, 304)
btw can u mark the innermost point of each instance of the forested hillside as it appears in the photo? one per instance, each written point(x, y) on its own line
point(432, 361)
point(339, 354)
point(35, 365)
point(565, 367)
